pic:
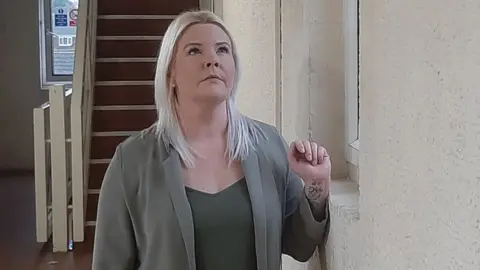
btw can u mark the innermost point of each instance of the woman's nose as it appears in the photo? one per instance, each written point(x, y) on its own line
point(209, 64)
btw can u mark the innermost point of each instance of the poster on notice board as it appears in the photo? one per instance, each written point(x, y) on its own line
point(64, 26)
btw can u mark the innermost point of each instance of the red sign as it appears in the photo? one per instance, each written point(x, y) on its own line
point(73, 14)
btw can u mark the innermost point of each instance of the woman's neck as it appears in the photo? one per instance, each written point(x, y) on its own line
point(202, 121)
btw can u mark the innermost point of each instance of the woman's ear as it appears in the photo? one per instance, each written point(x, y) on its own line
point(171, 82)
point(170, 78)
point(171, 75)
point(172, 86)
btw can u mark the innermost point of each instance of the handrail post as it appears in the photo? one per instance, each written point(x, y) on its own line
point(78, 175)
point(41, 189)
point(59, 169)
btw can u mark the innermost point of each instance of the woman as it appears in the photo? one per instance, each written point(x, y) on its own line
point(205, 187)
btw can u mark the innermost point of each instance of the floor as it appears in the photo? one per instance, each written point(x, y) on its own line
point(18, 247)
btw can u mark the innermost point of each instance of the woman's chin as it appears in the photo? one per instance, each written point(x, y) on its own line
point(211, 100)
point(213, 94)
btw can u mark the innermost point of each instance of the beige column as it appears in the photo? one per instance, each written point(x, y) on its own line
point(313, 93)
point(420, 134)
point(254, 26)
point(292, 68)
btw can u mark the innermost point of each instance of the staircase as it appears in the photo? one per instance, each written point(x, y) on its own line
point(128, 37)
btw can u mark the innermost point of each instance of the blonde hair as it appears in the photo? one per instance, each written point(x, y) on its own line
point(242, 133)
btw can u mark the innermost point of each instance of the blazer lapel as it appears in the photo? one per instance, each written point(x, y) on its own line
point(172, 168)
point(251, 170)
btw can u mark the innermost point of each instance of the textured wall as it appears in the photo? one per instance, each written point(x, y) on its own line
point(420, 134)
point(252, 24)
point(292, 71)
point(313, 94)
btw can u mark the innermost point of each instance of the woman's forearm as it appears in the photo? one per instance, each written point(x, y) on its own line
point(317, 195)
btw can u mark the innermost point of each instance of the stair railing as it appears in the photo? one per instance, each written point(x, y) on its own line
point(81, 112)
point(62, 144)
point(53, 183)
point(42, 155)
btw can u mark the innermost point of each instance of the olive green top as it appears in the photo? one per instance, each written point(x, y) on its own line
point(223, 227)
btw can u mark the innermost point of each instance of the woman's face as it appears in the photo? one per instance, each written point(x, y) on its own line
point(203, 68)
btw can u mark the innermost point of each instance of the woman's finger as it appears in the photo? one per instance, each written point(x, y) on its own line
point(315, 148)
point(299, 146)
point(308, 150)
point(322, 154)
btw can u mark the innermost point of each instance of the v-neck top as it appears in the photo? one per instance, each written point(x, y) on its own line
point(223, 226)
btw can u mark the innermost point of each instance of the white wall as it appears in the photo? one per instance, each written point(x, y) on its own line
point(420, 134)
point(313, 94)
point(292, 71)
point(253, 27)
point(420, 137)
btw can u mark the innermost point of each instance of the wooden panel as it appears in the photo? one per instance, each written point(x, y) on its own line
point(134, 27)
point(125, 71)
point(104, 146)
point(127, 48)
point(96, 174)
point(124, 95)
point(131, 120)
point(145, 7)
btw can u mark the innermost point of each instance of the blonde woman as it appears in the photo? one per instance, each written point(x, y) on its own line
point(207, 188)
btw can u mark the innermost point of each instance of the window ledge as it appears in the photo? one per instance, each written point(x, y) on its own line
point(344, 199)
point(46, 86)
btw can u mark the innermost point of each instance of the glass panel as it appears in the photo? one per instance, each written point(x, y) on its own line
point(64, 15)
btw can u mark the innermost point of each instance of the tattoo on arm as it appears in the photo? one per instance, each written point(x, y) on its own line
point(315, 195)
point(315, 191)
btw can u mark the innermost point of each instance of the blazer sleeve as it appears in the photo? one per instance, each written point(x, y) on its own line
point(114, 246)
point(302, 233)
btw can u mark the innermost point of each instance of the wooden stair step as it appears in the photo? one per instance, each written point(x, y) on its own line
point(124, 95)
point(92, 206)
point(125, 71)
point(127, 48)
point(122, 120)
point(103, 147)
point(129, 35)
point(96, 174)
point(86, 245)
point(145, 7)
point(132, 27)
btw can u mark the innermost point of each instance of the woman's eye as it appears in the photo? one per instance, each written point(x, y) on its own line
point(193, 51)
point(223, 49)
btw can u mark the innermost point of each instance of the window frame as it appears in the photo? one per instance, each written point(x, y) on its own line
point(47, 78)
point(352, 86)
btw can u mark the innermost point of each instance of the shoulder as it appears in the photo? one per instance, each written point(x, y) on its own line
point(136, 153)
point(269, 130)
point(139, 146)
point(273, 142)
point(272, 147)
point(272, 155)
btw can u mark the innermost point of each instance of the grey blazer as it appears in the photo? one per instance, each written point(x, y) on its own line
point(145, 222)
